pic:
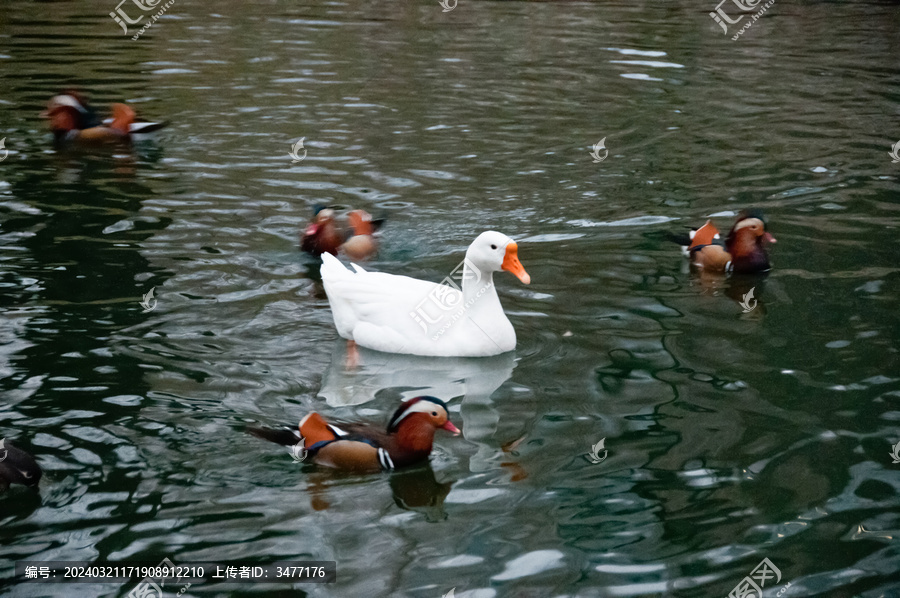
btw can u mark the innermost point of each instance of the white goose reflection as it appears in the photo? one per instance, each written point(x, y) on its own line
point(474, 379)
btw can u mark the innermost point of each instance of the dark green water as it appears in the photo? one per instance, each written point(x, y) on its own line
point(732, 437)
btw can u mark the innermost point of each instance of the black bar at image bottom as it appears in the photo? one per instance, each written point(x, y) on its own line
point(168, 573)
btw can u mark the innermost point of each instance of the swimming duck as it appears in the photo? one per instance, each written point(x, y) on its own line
point(330, 232)
point(744, 250)
point(362, 447)
point(73, 120)
point(17, 467)
point(398, 314)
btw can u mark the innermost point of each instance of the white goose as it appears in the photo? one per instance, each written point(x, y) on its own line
point(399, 314)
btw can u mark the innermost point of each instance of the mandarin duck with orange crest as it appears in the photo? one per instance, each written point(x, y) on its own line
point(72, 120)
point(743, 251)
point(331, 231)
point(362, 447)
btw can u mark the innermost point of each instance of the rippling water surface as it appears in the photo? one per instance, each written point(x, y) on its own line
point(731, 437)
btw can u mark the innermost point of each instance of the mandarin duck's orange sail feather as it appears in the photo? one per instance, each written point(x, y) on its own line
point(704, 235)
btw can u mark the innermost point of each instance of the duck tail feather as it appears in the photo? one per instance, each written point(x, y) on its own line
point(332, 265)
point(143, 127)
point(284, 436)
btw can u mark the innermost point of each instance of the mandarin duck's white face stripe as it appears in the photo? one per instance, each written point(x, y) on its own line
point(749, 222)
point(423, 406)
point(385, 460)
point(67, 101)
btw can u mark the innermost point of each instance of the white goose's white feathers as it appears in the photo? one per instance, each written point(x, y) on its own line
point(399, 314)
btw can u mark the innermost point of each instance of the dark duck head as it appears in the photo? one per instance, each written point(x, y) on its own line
point(17, 467)
point(747, 243)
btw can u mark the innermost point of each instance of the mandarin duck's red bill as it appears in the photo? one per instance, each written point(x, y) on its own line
point(742, 252)
point(332, 231)
point(361, 447)
point(17, 467)
point(72, 120)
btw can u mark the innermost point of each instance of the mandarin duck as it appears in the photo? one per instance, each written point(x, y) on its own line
point(743, 252)
point(399, 314)
point(73, 120)
point(17, 467)
point(330, 231)
point(362, 447)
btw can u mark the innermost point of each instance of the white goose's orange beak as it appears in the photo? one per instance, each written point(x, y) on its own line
point(512, 264)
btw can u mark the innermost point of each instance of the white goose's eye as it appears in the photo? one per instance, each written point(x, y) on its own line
point(493, 246)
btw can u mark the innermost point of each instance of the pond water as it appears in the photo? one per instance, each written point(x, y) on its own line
point(732, 437)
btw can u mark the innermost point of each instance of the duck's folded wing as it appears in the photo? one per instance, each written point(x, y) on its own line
point(375, 303)
point(376, 435)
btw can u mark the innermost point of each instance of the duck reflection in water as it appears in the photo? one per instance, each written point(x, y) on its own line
point(746, 290)
point(419, 490)
point(416, 489)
